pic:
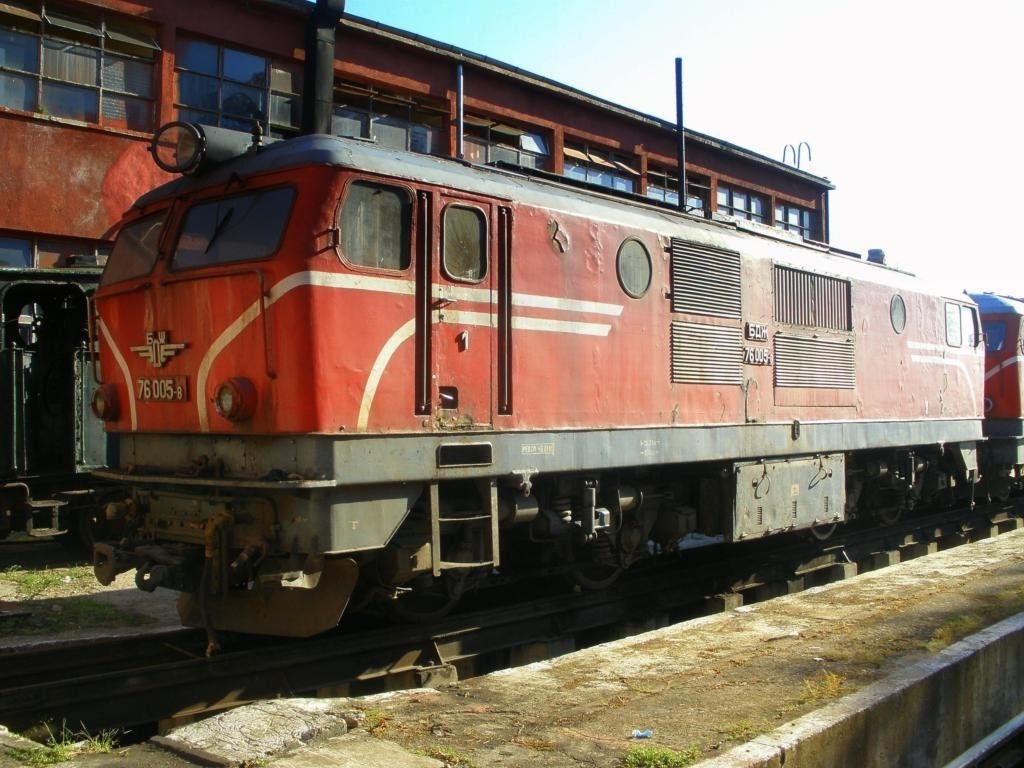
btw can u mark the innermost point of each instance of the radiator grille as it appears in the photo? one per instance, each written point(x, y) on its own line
point(804, 298)
point(705, 280)
point(807, 362)
point(706, 354)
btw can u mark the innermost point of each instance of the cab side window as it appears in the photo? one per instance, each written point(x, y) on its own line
point(375, 222)
point(954, 335)
point(969, 322)
point(465, 243)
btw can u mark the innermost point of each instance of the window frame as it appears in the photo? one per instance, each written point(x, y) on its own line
point(99, 250)
point(1004, 330)
point(361, 103)
point(951, 309)
point(650, 267)
point(897, 300)
point(167, 220)
point(746, 214)
point(268, 91)
point(410, 194)
point(468, 206)
point(782, 222)
point(667, 183)
point(108, 41)
point(481, 132)
point(611, 163)
point(182, 216)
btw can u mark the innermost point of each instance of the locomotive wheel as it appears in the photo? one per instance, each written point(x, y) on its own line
point(595, 566)
point(428, 600)
point(822, 532)
point(595, 576)
point(888, 515)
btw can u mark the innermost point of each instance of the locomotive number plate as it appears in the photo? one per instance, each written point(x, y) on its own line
point(167, 389)
point(757, 356)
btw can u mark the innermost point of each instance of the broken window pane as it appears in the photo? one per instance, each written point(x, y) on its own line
point(465, 243)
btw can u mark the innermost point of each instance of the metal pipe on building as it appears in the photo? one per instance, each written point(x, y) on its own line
point(318, 75)
point(680, 136)
point(460, 124)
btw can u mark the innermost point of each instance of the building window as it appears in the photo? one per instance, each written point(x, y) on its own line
point(218, 85)
point(663, 186)
point(597, 166)
point(487, 141)
point(740, 204)
point(390, 120)
point(97, 68)
point(794, 219)
point(44, 253)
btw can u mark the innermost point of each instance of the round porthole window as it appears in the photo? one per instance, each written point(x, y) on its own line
point(898, 313)
point(634, 267)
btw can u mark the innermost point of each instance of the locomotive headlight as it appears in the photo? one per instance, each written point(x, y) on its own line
point(192, 148)
point(178, 147)
point(235, 399)
point(104, 402)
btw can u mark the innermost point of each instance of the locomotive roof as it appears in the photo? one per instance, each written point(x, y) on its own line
point(553, 195)
point(992, 304)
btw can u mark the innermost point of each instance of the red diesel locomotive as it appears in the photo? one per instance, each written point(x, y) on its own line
point(343, 372)
point(1003, 322)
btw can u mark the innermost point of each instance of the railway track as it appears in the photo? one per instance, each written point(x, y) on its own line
point(146, 680)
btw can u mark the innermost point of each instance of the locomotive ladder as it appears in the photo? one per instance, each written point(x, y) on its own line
point(486, 524)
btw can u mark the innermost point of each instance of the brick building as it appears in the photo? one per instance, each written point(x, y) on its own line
point(83, 85)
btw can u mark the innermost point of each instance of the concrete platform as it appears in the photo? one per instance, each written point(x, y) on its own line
point(872, 671)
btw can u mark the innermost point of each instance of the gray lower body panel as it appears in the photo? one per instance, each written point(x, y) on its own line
point(372, 459)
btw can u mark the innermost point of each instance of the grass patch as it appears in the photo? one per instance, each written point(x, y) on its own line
point(73, 613)
point(450, 757)
point(744, 730)
point(64, 746)
point(375, 722)
point(824, 685)
point(32, 584)
point(660, 757)
point(530, 743)
point(955, 629)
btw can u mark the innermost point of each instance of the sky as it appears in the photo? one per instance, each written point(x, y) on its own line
point(912, 109)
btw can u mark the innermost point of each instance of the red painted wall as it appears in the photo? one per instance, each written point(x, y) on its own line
point(65, 178)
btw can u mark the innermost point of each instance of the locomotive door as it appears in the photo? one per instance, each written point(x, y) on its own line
point(463, 316)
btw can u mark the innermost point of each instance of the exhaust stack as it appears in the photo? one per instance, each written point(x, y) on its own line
point(318, 76)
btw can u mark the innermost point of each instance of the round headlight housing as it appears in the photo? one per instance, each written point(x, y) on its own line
point(235, 399)
point(178, 147)
point(105, 402)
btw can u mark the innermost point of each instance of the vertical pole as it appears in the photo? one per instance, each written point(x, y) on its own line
point(680, 136)
point(459, 117)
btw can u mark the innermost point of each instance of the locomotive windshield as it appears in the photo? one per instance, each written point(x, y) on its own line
point(135, 249)
point(230, 229)
point(995, 335)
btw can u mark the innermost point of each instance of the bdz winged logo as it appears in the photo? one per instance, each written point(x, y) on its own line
point(156, 349)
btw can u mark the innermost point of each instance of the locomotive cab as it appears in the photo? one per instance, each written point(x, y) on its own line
point(1003, 322)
